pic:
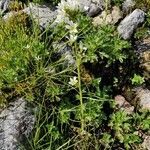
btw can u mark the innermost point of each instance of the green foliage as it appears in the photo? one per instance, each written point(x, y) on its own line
point(142, 121)
point(148, 18)
point(124, 130)
point(104, 43)
point(117, 2)
point(142, 4)
point(142, 33)
point(73, 110)
point(15, 5)
point(137, 80)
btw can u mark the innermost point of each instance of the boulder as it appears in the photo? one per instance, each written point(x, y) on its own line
point(95, 8)
point(139, 97)
point(16, 123)
point(122, 104)
point(146, 142)
point(130, 23)
point(42, 14)
point(142, 98)
point(108, 18)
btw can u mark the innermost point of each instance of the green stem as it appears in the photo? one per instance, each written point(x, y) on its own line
point(78, 63)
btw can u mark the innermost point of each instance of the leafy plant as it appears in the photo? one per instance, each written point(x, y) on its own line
point(104, 43)
point(137, 80)
point(117, 2)
point(124, 131)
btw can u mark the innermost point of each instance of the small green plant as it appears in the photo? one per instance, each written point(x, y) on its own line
point(137, 80)
point(142, 33)
point(15, 6)
point(124, 131)
point(117, 2)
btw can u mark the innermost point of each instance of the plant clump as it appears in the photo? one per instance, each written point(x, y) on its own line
point(75, 101)
point(15, 6)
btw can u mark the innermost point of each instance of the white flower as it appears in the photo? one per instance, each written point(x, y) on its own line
point(69, 4)
point(82, 47)
point(50, 70)
point(73, 38)
point(27, 46)
point(72, 27)
point(86, 8)
point(73, 81)
point(73, 5)
point(38, 58)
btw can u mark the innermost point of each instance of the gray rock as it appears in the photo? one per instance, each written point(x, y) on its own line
point(108, 18)
point(146, 143)
point(122, 104)
point(91, 7)
point(142, 98)
point(43, 15)
point(139, 97)
point(127, 6)
point(94, 10)
point(65, 52)
point(4, 4)
point(130, 23)
point(16, 122)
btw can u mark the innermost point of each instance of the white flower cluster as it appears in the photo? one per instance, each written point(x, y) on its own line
point(62, 16)
point(73, 81)
point(72, 27)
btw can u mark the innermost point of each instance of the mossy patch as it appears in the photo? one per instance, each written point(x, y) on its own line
point(19, 19)
point(16, 6)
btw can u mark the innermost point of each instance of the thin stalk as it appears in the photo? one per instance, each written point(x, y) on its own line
point(78, 63)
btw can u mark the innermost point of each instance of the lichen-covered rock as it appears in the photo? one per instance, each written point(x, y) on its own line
point(103, 18)
point(130, 23)
point(123, 104)
point(10, 5)
point(146, 143)
point(43, 15)
point(116, 14)
point(94, 9)
point(16, 122)
point(139, 97)
point(108, 18)
point(142, 98)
